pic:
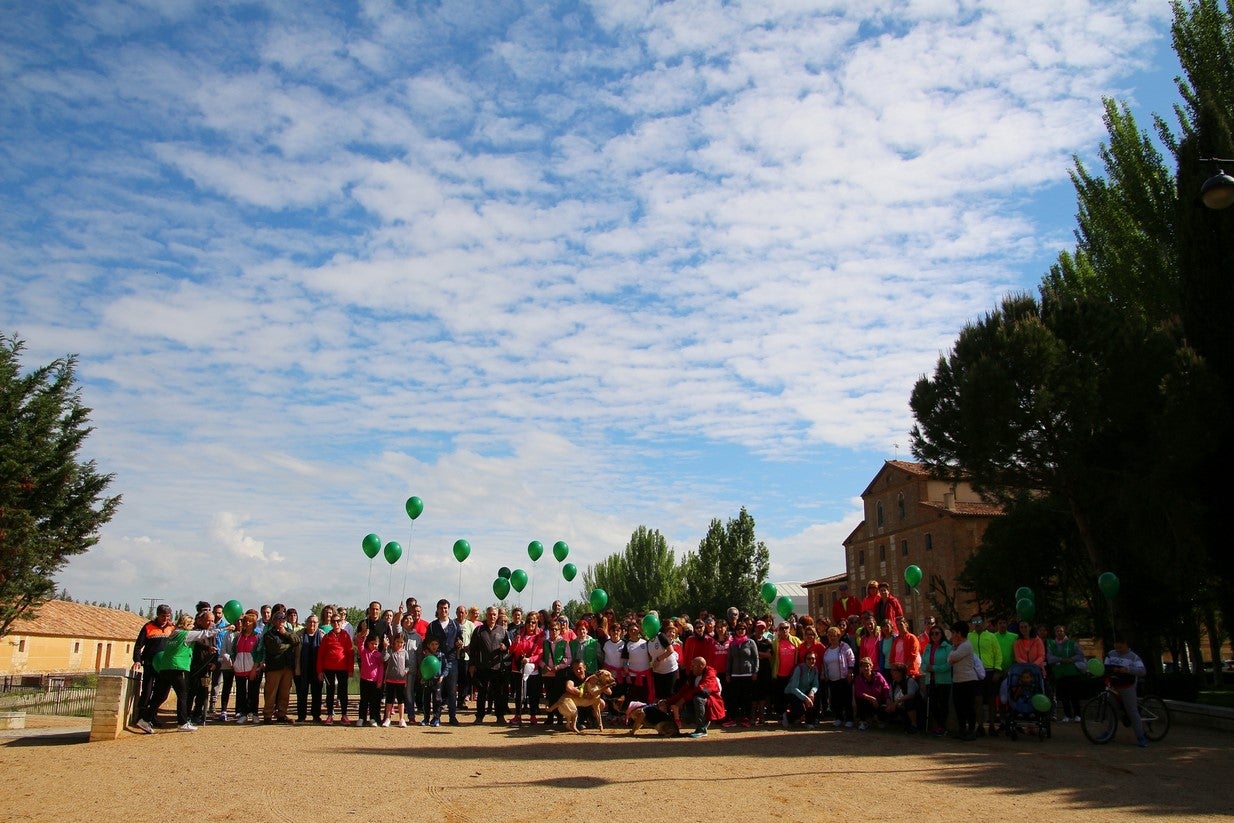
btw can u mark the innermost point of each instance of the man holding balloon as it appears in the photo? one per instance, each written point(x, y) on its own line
point(449, 636)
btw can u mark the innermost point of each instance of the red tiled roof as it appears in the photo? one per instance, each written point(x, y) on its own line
point(58, 618)
point(825, 581)
point(918, 469)
point(966, 509)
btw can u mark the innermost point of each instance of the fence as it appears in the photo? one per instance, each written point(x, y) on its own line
point(69, 696)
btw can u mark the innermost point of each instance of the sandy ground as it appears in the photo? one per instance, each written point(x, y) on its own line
point(483, 773)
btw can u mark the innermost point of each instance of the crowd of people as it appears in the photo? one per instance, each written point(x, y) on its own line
point(861, 666)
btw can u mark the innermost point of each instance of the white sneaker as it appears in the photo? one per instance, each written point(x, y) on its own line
point(1075, 719)
point(385, 724)
point(252, 718)
point(187, 727)
point(848, 724)
point(863, 726)
point(373, 723)
point(242, 718)
point(1066, 719)
point(145, 726)
point(402, 724)
point(838, 724)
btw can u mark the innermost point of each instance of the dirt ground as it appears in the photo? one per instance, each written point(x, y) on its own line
point(225, 772)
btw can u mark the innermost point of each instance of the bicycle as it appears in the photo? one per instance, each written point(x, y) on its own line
point(1100, 716)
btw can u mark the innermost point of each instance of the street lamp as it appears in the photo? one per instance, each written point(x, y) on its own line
point(1218, 190)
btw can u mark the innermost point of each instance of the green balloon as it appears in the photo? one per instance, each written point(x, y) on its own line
point(1108, 582)
point(430, 667)
point(1025, 608)
point(233, 611)
point(1041, 703)
point(1095, 667)
point(769, 593)
point(534, 550)
point(461, 549)
point(560, 550)
point(414, 507)
point(784, 607)
point(599, 599)
point(568, 571)
point(371, 545)
point(505, 572)
point(501, 588)
point(1024, 593)
point(518, 580)
point(651, 625)
point(393, 552)
point(912, 576)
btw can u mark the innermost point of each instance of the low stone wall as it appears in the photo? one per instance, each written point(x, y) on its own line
point(1196, 714)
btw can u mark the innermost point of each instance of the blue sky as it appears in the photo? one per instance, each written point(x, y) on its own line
point(560, 270)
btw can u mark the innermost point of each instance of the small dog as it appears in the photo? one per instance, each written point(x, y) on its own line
point(591, 698)
point(664, 726)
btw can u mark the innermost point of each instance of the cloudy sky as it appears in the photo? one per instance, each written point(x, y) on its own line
point(558, 269)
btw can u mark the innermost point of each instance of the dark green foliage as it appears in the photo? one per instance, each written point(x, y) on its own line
point(645, 575)
point(52, 503)
point(729, 567)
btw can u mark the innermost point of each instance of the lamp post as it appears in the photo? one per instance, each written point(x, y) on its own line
point(1218, 190)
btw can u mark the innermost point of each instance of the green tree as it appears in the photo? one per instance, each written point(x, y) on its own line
point(729, 567)
point(1110, 397)
point(644, 575)
point(52, 503)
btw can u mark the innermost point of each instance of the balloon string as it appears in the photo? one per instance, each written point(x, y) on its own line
point(370, 578)
point(407, 562)
point(460, 583)
point(389, 582)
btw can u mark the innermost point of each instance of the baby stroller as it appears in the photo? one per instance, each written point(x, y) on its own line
point(1026, 705)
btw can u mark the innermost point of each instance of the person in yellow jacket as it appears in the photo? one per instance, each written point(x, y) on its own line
point(989, 651)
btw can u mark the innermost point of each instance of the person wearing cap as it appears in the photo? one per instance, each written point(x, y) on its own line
point(702, 688)
point(150, 641)
point(844, 606)
point(281, 646)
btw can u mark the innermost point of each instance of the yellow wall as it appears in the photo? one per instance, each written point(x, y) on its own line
point(31, 654)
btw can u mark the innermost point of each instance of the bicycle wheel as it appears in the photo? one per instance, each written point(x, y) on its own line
point(1099, 719)
point(1156, 717)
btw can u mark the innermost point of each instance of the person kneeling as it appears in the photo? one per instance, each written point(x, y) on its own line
point(904, 699)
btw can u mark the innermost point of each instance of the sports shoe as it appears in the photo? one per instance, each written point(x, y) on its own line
point(784, 720)
point(745, 724)
point(517, 720)
point(252, 718)
point(1066, 720)
point(1075, 719)
point(698, 733)
point(848, 724)
point(454, 721)
point(1142, 742)
point(838, 723)
point(402, 724)
point(532, 721)
point(728, 724)
point(187, 727)
point(242, 718)
point(329, 721)
point(222, 717)
point(145, 726)
point(385, 724)
point(424, 722)
point(374, 723)
point(436, 722)
point(861, 727)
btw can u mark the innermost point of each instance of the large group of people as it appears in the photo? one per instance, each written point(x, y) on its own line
point(861, 666)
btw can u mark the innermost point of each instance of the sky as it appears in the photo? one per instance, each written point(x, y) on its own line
point(558, 269)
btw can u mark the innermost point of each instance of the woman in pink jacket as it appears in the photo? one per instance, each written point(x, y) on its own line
point(526, 652)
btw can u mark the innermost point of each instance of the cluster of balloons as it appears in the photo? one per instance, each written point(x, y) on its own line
point(1025, 603)
point(508, 579)
point(784, 605)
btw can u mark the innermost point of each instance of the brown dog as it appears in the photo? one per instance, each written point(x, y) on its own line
point(592, 697)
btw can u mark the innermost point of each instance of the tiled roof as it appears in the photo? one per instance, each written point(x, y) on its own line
point(966, 509)
point(58, 618)
point(910, 467)
point(826, 581)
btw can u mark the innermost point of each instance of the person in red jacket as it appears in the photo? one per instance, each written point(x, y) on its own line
point(703, 687)
point(336, 660)
point(888, 606)
point(844, 606)
point(871, 601)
